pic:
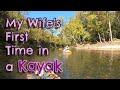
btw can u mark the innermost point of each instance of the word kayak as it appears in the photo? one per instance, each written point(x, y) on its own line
point(54, 66)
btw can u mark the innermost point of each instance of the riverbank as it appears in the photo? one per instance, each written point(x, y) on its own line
point(100, 46)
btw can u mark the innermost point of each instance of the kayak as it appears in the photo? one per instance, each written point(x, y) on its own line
point(42, 75)
point(67, 51)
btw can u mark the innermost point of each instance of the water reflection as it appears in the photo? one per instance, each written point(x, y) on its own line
point(82, 64)
point(66, 56)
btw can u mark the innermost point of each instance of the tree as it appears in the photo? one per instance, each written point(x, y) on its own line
point(110, 19)
point(74, 31)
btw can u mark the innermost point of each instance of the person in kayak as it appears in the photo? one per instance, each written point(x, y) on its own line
point(66, 48)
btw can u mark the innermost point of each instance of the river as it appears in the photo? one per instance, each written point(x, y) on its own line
point(81, 64)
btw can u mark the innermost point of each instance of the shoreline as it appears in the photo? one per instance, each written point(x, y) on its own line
point(98, 46)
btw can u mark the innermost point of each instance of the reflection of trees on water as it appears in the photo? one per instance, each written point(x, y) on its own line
point(66, 56)
point(4, 60)
point(10, 60)
point(15, 74)
point(110, 63)
point(82, 64)
point(107, 63)
point(91, 64)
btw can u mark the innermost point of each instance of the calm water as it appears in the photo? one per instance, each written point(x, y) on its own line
point(78, 65)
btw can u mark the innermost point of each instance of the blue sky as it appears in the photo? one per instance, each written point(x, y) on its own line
point(51, 14)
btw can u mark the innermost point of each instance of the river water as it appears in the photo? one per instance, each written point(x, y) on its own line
point(81, 64)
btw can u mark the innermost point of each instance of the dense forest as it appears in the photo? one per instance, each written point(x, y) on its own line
point(85, 27)
point(93, 26)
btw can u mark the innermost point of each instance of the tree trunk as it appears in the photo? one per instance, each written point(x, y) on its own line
point(99, 37)
point(74, 39)
point(103, 37)
point(110, 31)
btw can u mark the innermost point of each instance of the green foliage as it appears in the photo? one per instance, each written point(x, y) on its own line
point(86, 26)
point(74, 30)
point(92, 26)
